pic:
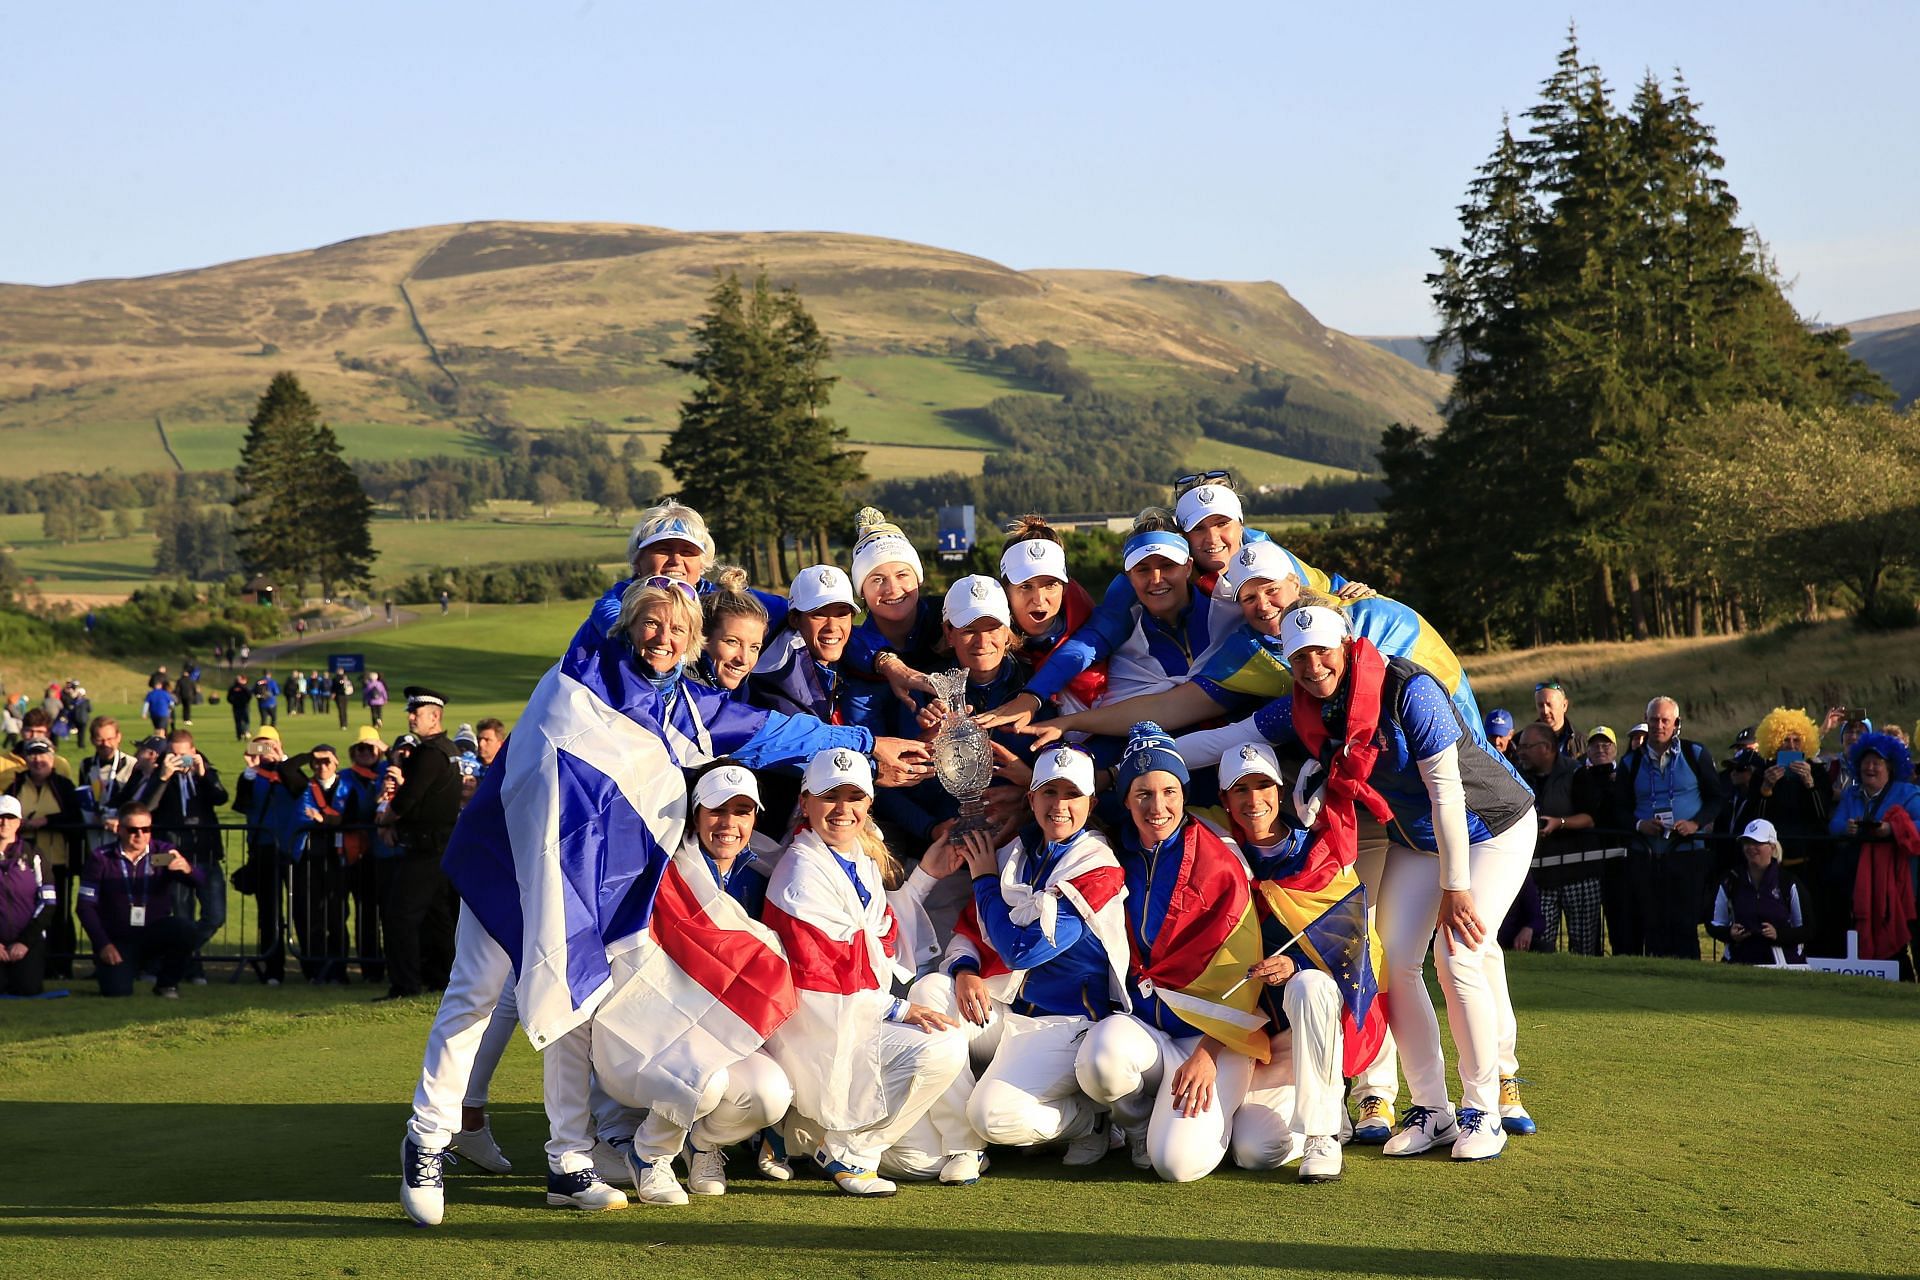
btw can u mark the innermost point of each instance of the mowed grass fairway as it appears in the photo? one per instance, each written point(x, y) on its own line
point(1694, 1123)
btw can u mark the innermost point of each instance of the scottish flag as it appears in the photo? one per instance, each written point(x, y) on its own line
point(562, 848)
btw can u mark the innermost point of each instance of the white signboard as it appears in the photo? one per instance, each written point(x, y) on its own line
point(1886, 970)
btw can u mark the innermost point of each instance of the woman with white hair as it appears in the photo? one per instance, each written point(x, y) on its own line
point(1381, 733)
point(670, 541)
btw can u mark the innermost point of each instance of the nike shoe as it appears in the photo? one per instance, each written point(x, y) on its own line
point(422, 1192)
point(963, 1169)
point(1321, 1160)
point(1513, 1114)
point(610, 1160)
point(1375, 1124)
point(770, 1157)
point(1481, 1137)
point(855, 1182)
point(1421, 1129)
point(583, 1189)
point(478, 1146)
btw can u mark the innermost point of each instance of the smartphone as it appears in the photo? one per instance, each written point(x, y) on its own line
point(1856, 715)
point(1787, 759)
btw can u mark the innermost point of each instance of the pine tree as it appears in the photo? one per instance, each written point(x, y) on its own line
point(300, 512)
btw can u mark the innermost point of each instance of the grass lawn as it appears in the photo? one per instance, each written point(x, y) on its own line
point(1253, 467)
point(899, 399)
point(215, 446)
point(1694, 1123)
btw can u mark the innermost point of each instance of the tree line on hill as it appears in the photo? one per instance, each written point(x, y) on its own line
point(1642, 436)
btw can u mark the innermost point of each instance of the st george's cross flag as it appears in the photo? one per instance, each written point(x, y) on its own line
point(566, 843)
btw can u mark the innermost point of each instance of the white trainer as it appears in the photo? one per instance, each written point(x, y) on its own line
point(1137, 1147)
point(653, 1180)
point(707, 1172)
point(1090, 1147)
point(1421, 1129)
point(1481, 1136)
point(422, 1193)
point(1321, 1161)
point(610, 1161)
point(583, 1189)
point(963, 1169)
point(478, 1146)
point(768, 1159)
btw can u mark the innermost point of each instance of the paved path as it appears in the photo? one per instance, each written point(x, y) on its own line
point(280, 648)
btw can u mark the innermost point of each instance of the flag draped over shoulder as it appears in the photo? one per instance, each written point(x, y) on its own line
point(1205, 943)
point(1325, 928)
point(566, 839)
point(700, 990)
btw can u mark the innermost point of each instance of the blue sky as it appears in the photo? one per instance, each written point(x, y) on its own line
point(1324, 147)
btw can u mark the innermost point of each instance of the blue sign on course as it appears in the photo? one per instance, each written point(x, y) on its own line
point(346, 662)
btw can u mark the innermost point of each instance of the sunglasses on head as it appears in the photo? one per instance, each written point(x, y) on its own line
point(1548, 684)
point(1194, 479)
point(663, 583)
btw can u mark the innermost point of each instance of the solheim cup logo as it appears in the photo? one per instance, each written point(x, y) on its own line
point(1063, 758)
point(1035, 551)
point(980, 589)
point(1205, 495)
point(825, 576)
point(735, 778)
point(1247, 557)
point(1249, 753)
point(843, 761)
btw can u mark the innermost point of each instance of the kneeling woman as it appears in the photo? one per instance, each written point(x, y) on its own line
point(752, 1093)
point(1039, 955)
point(1175, 1070)
point(865, 1066)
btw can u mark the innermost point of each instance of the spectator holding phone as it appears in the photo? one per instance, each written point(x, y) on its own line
point(184, 793)
point(1880, 811)
point(1757, 908)
point(126, 906)
point(1793, 792)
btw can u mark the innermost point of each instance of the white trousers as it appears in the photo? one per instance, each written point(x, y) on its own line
point(1128, 1067)
point(475, 1022)
point(917, 1074)
point(1474, 980)
point(738, 1102)
point(1298, 1090)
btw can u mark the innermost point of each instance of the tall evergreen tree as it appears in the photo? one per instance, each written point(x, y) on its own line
point(754, 452)
point(300, 512)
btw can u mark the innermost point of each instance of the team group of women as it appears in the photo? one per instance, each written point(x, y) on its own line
point(1182, 947)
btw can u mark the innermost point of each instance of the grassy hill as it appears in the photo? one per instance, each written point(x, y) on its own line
point(1891, 344)
point(408, 338)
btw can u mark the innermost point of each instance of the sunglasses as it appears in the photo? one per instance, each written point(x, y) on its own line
point(1194, 479)
point(1548, 684)
point(664, 583)
point(137, 831)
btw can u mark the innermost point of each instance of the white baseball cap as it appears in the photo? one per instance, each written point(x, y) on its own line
point(1760, 831)
point(1070, 764)
point(820, 586)
point(9, 806)
point(1155, 542)
point(837, 767)
point(1312, 627)
point(1207, 500)
point(717, 786)
point(1255, 561)
point(974, 597)
point(1034, 558)
point(1248, 757)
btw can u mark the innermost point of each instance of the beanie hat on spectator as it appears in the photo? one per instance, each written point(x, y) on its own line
point(880, 541)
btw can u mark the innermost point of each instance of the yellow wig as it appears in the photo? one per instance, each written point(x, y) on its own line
point(1782, 721)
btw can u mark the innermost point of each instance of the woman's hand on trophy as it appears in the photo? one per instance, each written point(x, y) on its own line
point(931, 716)
point(1015, 713)
point(941, 859)
point(902, 761)
point(977, 848)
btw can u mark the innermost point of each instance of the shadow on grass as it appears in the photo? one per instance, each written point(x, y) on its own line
point(176, 1175)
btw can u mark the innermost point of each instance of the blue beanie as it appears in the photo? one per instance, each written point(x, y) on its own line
point(1148, 748)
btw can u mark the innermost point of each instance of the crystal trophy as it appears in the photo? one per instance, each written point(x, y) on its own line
point(962, 753)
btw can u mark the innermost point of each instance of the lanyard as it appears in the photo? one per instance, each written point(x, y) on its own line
point(853, 874)
point(146, 879)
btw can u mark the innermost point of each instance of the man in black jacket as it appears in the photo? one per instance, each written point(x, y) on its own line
point(417, 915)
point(184, 792)
point(1568, 880)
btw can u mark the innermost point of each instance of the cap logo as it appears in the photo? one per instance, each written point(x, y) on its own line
point(1141, 758)
point(825, 577)
point(735, 777)
point(1035, 551)
point(675, 525)
point(1062, 758)
point(1249, 753)
point(979, 589)
point(1247, 557)
point(843, 761)
point(1205, 495)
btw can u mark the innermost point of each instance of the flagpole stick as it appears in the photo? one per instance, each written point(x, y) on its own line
point(1249, 978)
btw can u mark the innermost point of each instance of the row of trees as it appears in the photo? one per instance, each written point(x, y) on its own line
point(1609, 313)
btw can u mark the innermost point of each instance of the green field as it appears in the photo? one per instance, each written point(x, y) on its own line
point(1694, 1122)
point(215, 446)
point(1254, 467)
point(916, 400)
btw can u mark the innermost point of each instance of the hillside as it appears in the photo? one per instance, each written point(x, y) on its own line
point(1891, 344)
point(410, 337)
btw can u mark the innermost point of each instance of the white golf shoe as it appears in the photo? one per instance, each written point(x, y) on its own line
point(963, 1169)
point(1481, 1136)
point(653, 1180)
point(707, 1172)
point(1421, 1129)
point(583, 1189)
point(478, 1146)
point(1320, 1161)
point(422, 1192)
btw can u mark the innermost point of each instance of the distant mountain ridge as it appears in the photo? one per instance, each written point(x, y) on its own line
point(554, 324)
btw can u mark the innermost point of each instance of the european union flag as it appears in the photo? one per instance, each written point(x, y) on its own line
point(1335, 942)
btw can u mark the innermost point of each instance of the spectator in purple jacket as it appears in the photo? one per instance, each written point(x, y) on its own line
point(376, 696)
point(26, 901)
point(126, 906)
